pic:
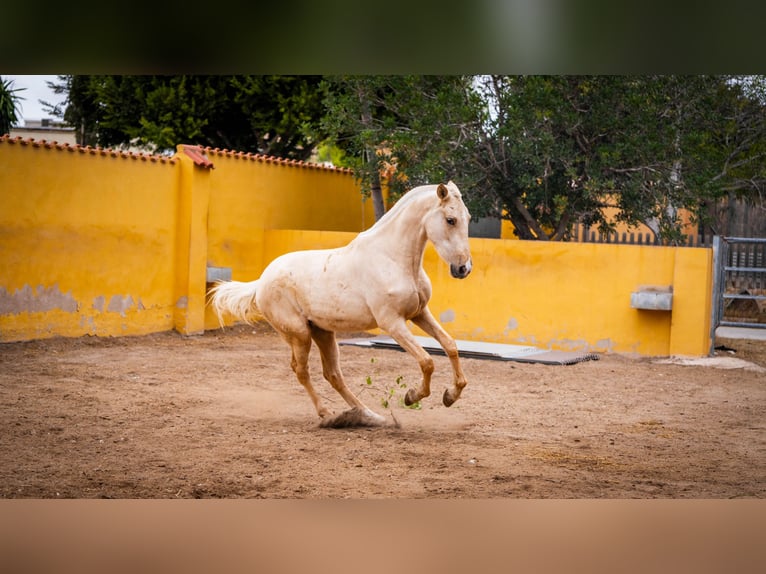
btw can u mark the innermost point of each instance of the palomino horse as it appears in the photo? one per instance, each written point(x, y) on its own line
point(377, 280)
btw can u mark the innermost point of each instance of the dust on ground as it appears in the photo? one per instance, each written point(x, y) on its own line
point(222, 415)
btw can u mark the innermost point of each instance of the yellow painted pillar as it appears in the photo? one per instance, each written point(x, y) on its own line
point(692, 302)
point(191, 242)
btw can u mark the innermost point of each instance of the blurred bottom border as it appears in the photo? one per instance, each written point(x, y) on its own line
point(383, 536)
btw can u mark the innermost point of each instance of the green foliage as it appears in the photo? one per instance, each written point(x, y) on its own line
point(546, 151)
point(80, 109)
point(415, 124)
point(273, 115)
point(330, 153)
point(10, 102)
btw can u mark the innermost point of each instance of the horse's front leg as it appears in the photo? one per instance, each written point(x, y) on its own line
point(401, 334)
point(428, 323)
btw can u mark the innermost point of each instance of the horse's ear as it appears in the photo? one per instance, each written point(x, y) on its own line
point(442, 191)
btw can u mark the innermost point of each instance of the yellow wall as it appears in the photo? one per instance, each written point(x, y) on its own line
point(566, 296)
point(104, 244)
point(576, 296)
point(86, 242)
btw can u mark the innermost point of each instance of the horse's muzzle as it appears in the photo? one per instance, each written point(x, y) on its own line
point(460, 271)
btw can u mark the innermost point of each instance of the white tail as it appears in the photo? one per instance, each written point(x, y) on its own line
point(235, 298)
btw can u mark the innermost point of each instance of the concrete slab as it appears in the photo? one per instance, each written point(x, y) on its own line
point(741, 333)
point(717, 362)
point(482, 350)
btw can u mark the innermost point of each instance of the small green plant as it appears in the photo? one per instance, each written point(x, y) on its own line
point(389, 393)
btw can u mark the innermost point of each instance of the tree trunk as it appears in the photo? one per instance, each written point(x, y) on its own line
point(532, 226)
point(377, 197)
point(375, 189)
point(520, 226)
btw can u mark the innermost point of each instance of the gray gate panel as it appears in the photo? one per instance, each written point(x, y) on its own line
point(739, 265)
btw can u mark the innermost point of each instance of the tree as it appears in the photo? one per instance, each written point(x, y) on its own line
point(737, 148)
point(534, 152)
point(409, 130)
point(10, 103)
point(79, 109)
point(560, 146)
point(546, 151)
point(273, 115)
point(708, 137)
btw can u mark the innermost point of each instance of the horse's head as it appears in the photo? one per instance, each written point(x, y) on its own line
point(447, 228)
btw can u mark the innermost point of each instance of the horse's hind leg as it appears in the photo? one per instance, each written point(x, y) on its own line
point(427, 322)
point(301, 346)
point(328, 348)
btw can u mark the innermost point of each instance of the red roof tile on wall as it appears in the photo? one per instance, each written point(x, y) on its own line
point(274, 159)
point(198, 156)
point(86, 149)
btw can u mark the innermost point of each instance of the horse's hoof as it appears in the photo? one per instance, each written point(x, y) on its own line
point(447, 399)
point(354, 417)
point(409, 398)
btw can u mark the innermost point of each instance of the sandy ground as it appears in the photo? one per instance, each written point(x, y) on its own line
point(221, 415)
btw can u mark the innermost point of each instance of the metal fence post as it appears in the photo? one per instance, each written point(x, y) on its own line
point(717, 287)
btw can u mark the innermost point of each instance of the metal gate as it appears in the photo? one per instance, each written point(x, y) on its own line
point(739, 282)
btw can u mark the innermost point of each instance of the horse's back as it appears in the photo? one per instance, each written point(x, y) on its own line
point(320, 286)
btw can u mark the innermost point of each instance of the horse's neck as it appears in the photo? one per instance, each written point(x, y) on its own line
point(400, 235)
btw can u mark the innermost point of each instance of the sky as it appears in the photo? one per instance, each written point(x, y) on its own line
point(36, 89)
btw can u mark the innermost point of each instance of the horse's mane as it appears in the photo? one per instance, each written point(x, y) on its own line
point(406, 200)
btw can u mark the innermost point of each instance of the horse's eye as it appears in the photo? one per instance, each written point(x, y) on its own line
point(451, 221)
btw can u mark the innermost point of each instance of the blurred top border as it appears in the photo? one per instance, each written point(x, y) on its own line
point(424, 37)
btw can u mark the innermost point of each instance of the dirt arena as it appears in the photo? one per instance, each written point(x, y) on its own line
point(222, 416)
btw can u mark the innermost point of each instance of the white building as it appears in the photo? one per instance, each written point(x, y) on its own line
point(45, 129)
